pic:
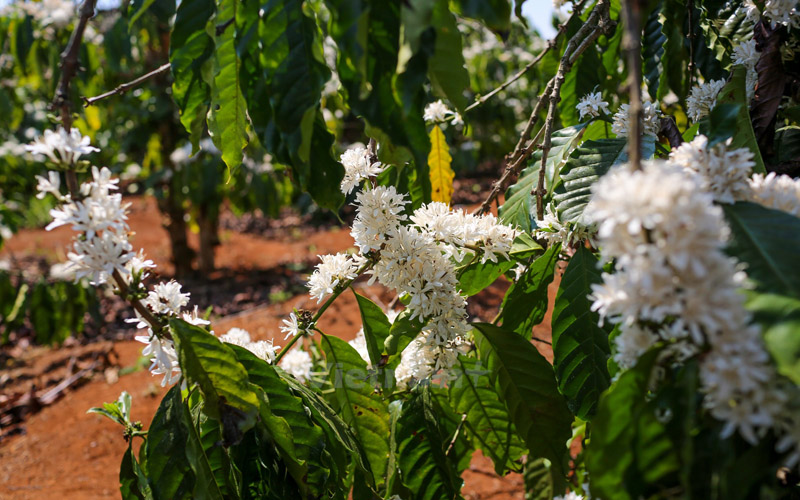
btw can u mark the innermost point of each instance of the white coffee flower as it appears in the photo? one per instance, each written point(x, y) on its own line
point(651, 123)
point(49, 185)
point(780, 192)
point(291, 327)
point(297, 363)
point(357, 167)
point(592, 105)
point(236, 336)
point(569, 496)
point(436, 112)
point(164, 357)
point(62, 147)
point(702, 99)
point(724, 173)
point(379, 211)
point(360, 345)
point(331, 272)
point(783, 12)
point(264, 349)
point(745, 54)
point(166, 298)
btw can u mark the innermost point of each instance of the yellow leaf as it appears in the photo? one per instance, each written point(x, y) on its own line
point(93, 117)
point(439, 161)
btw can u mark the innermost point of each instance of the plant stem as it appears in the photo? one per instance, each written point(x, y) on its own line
point(121, 89)
point(313, 325)
point(69, 66)
point(455, 435)
point(632, 46)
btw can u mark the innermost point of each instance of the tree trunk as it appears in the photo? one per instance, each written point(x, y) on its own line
point(208, 221)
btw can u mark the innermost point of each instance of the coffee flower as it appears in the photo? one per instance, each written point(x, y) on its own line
point(592, 105)
point(62, 147)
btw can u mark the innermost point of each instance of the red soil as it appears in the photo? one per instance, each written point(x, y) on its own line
point(67, 453)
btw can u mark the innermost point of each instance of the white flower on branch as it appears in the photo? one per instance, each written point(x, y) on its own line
point(297, 363)
point(236, 336)
point(437, 112)
point(780, 192)
point(164, 358)
point(62, 147)
point(651, 123)
point(724, 173)
point(379, 211)
point(49, 185)
point(166, 298)
point(702, 99)
point(291, 326)
point(357, 167)
point(592, 105)
point(783, 12)
point(552, 229)
point(745, 54)
point(359, 343)
point(333, 270)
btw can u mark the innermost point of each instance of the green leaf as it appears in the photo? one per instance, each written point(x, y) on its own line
point(721, 123)
point(735, 92)
point(190, 53)
point(472, 393)
point(580, 346)
point(525, 303)
point(585, 166)
point(516, 210)
point(205, 486)
point(527, 385)
point(779, 317)
point(168, 470)
point(358, 403)
point(223, 381)
point(422, 437)
point(309, 444)
point(376, 327)
point(227, 121)
point(495, 14)
point(767, 241)
point(446, 68)
point(132, 480)
point(653, 40)
point(403, 331)
point(585, 76)
point(474, 277)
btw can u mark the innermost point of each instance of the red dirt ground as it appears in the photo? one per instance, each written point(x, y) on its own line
point(67, 453)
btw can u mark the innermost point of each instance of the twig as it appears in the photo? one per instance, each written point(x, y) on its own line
point(69, 68)
point(632, 46)
point(121, 89)
point(551, 44)
point(597, 23)
point(690, 11)
point(455, 436)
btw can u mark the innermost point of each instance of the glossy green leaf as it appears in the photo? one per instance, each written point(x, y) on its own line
point(168, 470)
point(779, 317)
point(474, 277)
point(519, 203)
point(222, 379)
point(376, 327)
point(132, 479)
point(446, 68)
point(585, 166)
point(525, 303)
point(495, 14)
point(472, 393)
point(422, 437)
point(767, 241)
point(735, 92)
point(538, 482)
point(527, 385)
point(361, 407)
point(403, 331)
point(580, 346)
point(227, 122)
point(191, 49)
point(205, 486)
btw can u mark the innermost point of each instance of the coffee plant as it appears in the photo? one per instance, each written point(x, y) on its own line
point(655, 171)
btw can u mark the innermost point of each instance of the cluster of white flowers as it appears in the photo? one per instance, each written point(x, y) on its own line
point(783, 12)
point(651, 119)
point(264, 349)
point(55, 13)
point(102, 248)
point(297, 363)
point(438, 112)
point(592, 105)
point(745, 54)
point(415, 256)
point(674, 283)
point(552, 229)
point(332, 271)
point(357, 167)
point(724, 173)
point(62, 147)
point(780, 192)
point(702, 98)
